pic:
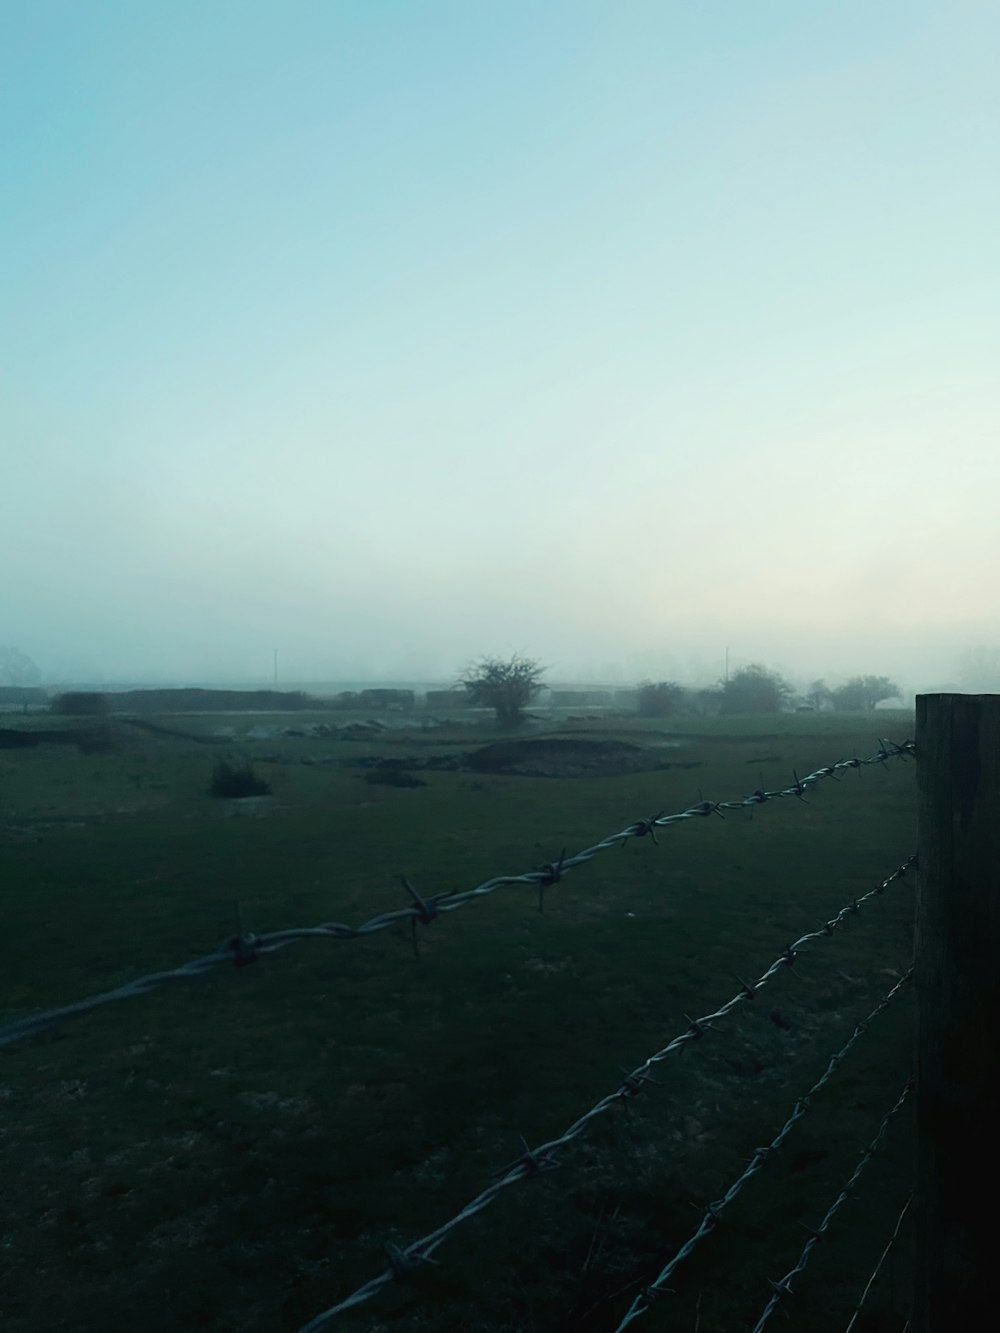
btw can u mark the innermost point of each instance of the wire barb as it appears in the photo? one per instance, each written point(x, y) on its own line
point(403, 1263)
point(642, 827)
point(426, 909)
point(244, 949)
point(533, 1160)
point(632, 1083)
point(552, 873)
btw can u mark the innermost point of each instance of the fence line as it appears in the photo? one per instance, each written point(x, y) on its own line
point(244, 949)
point(781, 1288)
point(404, 1260)
point(644, 1300)
point(878, 1267)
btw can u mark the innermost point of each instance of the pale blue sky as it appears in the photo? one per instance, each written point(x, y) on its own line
point(392, 333)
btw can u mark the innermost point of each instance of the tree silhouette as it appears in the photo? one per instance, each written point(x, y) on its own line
point(754, 689)
point(505, 685)
point(818, 694)
point(862, 693)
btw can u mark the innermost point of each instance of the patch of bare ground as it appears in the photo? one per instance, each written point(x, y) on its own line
point(563, 757)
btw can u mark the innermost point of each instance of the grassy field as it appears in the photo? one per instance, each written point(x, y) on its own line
point(233, 1151)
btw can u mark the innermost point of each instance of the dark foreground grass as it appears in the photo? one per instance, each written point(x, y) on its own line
point(232, 1152)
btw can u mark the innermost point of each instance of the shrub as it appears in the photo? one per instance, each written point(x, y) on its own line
point(231, 780)
point(754, 689)
point(505, 686)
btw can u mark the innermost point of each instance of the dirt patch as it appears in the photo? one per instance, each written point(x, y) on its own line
point(562, 758)
point(553, 757)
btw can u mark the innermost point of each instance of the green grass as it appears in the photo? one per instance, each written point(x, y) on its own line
point(231, 1152)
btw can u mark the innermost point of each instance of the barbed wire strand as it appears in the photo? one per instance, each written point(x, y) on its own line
point(403, 1261)
point(878, 1267)
point(244, 949)
point(644, 1300)
point(782, 1287)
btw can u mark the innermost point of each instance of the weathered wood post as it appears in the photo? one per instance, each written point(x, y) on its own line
point(957, 966)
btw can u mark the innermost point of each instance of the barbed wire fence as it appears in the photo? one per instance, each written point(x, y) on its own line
point(403, 1261)
point(782, 1287)
point(881, 1263)
point(713, 1212)
point(243, 949)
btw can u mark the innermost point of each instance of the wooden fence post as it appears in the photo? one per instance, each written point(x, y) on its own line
point(957, 963)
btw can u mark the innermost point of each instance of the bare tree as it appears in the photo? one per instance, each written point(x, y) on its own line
point(505, 685)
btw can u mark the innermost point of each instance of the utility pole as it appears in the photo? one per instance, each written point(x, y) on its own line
point(727, 666)
point(275, 668)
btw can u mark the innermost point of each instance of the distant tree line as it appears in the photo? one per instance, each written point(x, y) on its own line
point(506, 685)
point(861, 694)
point(756, 689)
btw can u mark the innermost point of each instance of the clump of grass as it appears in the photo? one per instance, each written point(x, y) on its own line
point(229, 780)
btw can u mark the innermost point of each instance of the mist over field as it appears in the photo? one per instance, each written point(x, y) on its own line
point(388, 336)
point(498, 457)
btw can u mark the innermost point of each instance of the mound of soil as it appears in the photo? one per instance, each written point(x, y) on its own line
point(553, 757)
point(559, 757)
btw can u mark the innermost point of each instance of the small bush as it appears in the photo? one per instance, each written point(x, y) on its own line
point(231, 780)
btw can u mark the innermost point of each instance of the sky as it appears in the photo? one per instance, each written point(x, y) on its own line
point(393, 333)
